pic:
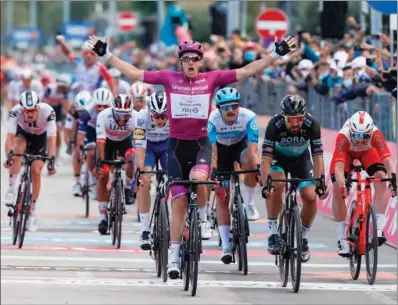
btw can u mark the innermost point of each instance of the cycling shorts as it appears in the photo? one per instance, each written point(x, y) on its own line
point(113, 149)
point(227, 155)
point(299, 167)
point(35, 144)
point(370, 160)
point(156, 151)
point(182, 155)
point(91, 136)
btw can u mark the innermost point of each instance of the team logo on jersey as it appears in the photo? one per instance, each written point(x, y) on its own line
point(140, 122)
point(253, 125)
point(139, 134)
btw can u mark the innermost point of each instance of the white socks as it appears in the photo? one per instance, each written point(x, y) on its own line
point(380, 220)
point(224, 235)
point(144, 218)
point(249, 194)
point(340, 227)
point(272, 225)
point(175, 251)
point(202, 213)
point(304, 231)
point(102, 207)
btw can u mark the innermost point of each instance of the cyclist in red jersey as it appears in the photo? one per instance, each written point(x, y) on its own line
point(360, 139)
point(189, 99)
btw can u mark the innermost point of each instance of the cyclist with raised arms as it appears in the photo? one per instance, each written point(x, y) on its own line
point(360, 139)
point(87, 134)
point(233, 134)
point(189, 97)
point(31, 128)
point(151, 141)
point(287, 140)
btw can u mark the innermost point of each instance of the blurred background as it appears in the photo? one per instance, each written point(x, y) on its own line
point(346, 57)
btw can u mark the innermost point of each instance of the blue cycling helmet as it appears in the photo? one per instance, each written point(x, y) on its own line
point(227, 94)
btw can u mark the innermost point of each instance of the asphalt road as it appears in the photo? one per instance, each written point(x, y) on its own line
point(67, 262)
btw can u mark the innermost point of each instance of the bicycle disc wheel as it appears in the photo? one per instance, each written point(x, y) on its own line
point(86, 190)
point(281, 259)
point(119, 216)
point(295, 248)
point(194, 251)
point(242, 235)
point(24, 217)
point(164, 238)
point(355, 258)
point(371, 254)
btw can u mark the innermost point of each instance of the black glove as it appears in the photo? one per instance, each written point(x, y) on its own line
point(50, 164)
point(100, 48)
point(393, 185)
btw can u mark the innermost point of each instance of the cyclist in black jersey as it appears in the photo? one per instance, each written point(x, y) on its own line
point(291, 138)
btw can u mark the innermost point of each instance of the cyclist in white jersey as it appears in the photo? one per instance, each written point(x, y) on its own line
point(25, 84)
point(122, 87)
point(139, 95)
point(233, 133)
point(89, 73)
point(31, 126)
point(189, 95)
point(151, 140)
point(115, 126)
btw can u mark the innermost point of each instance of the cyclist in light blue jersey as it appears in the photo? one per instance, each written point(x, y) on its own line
point(233, 134)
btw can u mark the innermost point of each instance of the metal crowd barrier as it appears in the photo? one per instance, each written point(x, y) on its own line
point(264, 98)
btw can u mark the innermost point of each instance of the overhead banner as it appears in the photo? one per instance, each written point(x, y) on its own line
point(24, 37)
point(76, 32)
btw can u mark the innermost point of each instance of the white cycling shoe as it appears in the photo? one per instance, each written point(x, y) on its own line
point(173, 271)
point(252, 212)
point(205, 229)
point(343, 248)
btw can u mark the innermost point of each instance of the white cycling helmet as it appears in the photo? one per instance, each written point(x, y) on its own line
point(82, 99)
point(138, 89)
point(29, 100)
point(115, 73)
point(64, 80)
point(122, 103)
point(102, 97)
point(158, 102)
point(361, 122)
point(26, 74)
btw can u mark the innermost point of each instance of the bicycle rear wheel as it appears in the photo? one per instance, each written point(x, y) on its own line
point(112, 216)
point(24, 215)
point(119, 215)
point(185, 260)
point(355, 258)
point(242, 236)
point(86, 190)
point(194, 250)
point(164, 238)
point(16, 217)
point(371, 254)
point(295, 248)
point(281, 259)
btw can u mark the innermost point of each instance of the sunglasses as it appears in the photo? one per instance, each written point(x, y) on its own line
point(228, 107)
point(122, 115)
point(101, 107)
point(294, 119)
point(30, 111)
point(360, 136)
point(187, 58)
point(159, 116)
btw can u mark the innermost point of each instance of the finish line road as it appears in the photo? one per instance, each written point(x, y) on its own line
point(67, 262)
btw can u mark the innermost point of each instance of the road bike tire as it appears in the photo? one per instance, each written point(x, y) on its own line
point(282, 261)
point(86, 190)
point(16, 217)
point(194, 251)
point(371, 244)
point(119, 215)
point(242, 236)
point(156, 238)
point(24, 214)
point(235, 238)
point(355, 258)
point(164, 238)
point(112, 216)
point(185, 261)
point(296, 247)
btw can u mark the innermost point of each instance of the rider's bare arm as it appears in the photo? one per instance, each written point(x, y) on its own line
point(127, 69)
point(254, 67)
point(214, 156)
point(319, 168)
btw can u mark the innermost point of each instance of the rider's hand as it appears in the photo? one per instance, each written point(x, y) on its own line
point(5, 164)
point(393, 185)
point(59, 38)
point(51, 166)
point(283, 47)
point(265, 193)
point(325, 195)
point(342, 187)
point(101, 48)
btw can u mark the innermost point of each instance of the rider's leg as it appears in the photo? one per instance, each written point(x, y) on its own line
point(224, 221)
point(76, 171)
point(249, 160)
point(102, 199)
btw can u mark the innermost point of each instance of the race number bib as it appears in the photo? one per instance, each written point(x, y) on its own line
point(190, 106)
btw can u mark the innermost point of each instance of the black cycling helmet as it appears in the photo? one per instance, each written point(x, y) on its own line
point(293, 104)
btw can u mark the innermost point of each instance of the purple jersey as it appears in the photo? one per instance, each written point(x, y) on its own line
point(189, 101)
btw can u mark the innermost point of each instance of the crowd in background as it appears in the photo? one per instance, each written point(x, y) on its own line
point(345, 69)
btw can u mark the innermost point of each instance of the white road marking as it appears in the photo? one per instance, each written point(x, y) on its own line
point(201, 283)
point(146, 260)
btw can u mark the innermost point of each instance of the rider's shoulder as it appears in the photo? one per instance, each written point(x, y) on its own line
point(246, 112)
point(214, 115)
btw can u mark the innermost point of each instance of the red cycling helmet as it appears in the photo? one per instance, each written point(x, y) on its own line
point(190, 46)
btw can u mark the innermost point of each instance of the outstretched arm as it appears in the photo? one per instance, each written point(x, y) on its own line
point(259, 65)
point(102, 50)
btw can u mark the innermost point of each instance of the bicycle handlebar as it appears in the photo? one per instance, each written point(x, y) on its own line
point(223, 175)
point(28, 157)
point(139, 172)
point(117, 162)
point(193, 182)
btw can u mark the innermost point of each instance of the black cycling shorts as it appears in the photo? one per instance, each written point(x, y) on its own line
point(227, 155)
point(113, 149)
point(300, 167)
point(182, 155)
point(59, 113)
point(35, 144)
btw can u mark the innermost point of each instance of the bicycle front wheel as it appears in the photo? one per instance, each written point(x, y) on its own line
point(24, 215)
point(17, 214)
point(86, 190)
point(242, 236)
point(119, 215)
point(194, 251)
point(295, 247)
point(164, 238)
point(371, 254)
point(282, 259)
